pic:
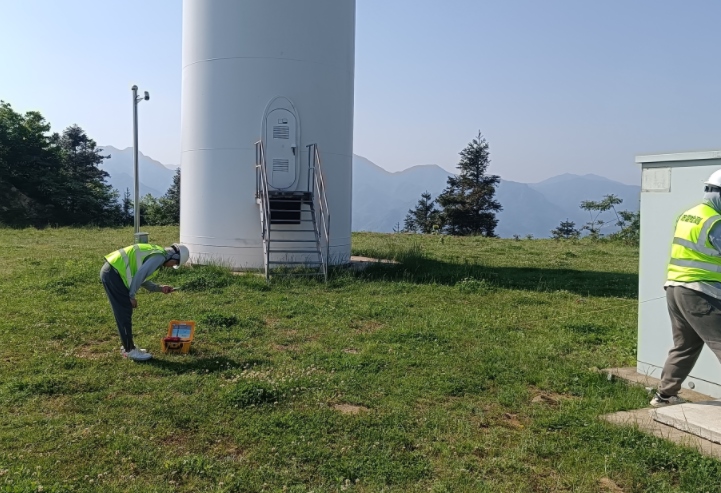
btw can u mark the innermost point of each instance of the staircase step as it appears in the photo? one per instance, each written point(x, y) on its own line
point(289, 199)
point(296, 274)
point(295, 254)
point(290, 241)
point(295, 251)
point(278, 262)
point(290, 221)
point(286, 211)
point(275, 195)
point(292, 230)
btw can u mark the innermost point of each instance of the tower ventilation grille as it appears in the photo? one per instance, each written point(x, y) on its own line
point(281, 132)
point(280, 165)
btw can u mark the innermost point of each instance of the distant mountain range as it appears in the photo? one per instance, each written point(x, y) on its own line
point(155, 178)
point(381, 199)
point(558, 198)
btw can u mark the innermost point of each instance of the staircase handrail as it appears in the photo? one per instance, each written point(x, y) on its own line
point(262, 193)
point(316, 169)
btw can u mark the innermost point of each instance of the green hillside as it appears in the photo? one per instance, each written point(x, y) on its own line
point(472, 365)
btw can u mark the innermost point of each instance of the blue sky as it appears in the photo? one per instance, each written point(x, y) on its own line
point(558, 86)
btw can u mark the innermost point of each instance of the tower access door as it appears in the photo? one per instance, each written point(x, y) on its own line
point(281, 134)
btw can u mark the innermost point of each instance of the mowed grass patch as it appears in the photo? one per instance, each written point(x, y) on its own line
point(472, 365)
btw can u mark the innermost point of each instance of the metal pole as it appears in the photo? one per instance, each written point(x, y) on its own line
point(136, 212)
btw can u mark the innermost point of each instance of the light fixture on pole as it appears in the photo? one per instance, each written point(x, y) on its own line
point(139, 237)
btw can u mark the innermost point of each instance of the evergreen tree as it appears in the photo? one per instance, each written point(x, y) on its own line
point(150, 211)
point(566, 230)
point(423, 217)
point(468, 204)
point(165, 210)
point(28, 168)
point(51, 179)
point(87, 199)
point(127, 209)
point(170, 202)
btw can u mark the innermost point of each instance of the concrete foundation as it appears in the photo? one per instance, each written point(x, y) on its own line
point(641, 419)
point(631, 375)
point(696, 424)
point(702, 419)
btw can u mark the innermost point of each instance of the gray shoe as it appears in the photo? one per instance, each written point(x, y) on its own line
point(659, 401)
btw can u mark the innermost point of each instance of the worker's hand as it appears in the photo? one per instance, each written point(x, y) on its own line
point(167, 289)
point(133, 302)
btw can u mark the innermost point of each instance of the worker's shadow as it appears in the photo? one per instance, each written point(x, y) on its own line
point(187, 363)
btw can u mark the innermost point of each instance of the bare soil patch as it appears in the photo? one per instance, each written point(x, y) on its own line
point(609, 486)
point(349, 408)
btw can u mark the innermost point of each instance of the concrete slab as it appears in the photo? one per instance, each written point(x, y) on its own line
point(672, 424)
point(642, 419)
point(631, 375)
point(702, 419)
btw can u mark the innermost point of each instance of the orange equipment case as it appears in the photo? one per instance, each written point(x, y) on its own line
point(180, 336)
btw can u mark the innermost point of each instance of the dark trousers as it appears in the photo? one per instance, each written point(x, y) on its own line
point(119, 297)
point(695, 321)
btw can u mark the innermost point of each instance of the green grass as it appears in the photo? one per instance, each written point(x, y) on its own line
point(473, 364)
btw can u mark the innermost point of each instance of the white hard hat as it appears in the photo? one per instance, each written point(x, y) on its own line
point(714, 179)
point(184, 253)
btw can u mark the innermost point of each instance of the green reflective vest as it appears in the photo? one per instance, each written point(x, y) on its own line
point(693, 257)
point(128, 261)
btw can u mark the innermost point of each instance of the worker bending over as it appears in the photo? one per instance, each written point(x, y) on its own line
point(123, 273)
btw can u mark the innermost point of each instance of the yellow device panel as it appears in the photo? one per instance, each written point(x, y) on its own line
point(180, 336)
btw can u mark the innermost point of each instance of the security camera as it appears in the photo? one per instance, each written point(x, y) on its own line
point(147, 96)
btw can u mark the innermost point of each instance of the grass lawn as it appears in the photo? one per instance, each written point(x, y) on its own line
point(471, 366)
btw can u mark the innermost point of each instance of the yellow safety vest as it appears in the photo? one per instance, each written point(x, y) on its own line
point(693, 257)
point(128, 261)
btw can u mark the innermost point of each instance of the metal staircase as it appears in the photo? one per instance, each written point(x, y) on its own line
point(295, 226)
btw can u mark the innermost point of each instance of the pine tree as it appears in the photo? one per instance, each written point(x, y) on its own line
point(127, 209)
point(87, 199)
point(566, 230)
point(29, 167)
point(165, 210)
point(468, 203)
point(51, 179)
point(150, 210)
point(423, 217)
point(170, 202)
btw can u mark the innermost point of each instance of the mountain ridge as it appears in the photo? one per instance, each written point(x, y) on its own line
point(381, 198)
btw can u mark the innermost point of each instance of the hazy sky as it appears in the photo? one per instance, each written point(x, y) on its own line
point(555, 86)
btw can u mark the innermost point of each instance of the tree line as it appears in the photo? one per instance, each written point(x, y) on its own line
point(628, 222)
point(50, 178)
point(467, 206)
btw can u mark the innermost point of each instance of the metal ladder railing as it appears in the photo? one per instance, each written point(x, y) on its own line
point(261, 197)
point(318, 204)
point(321, 212)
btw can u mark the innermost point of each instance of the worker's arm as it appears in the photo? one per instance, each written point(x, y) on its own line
point(714, 236)
point(151, 264)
